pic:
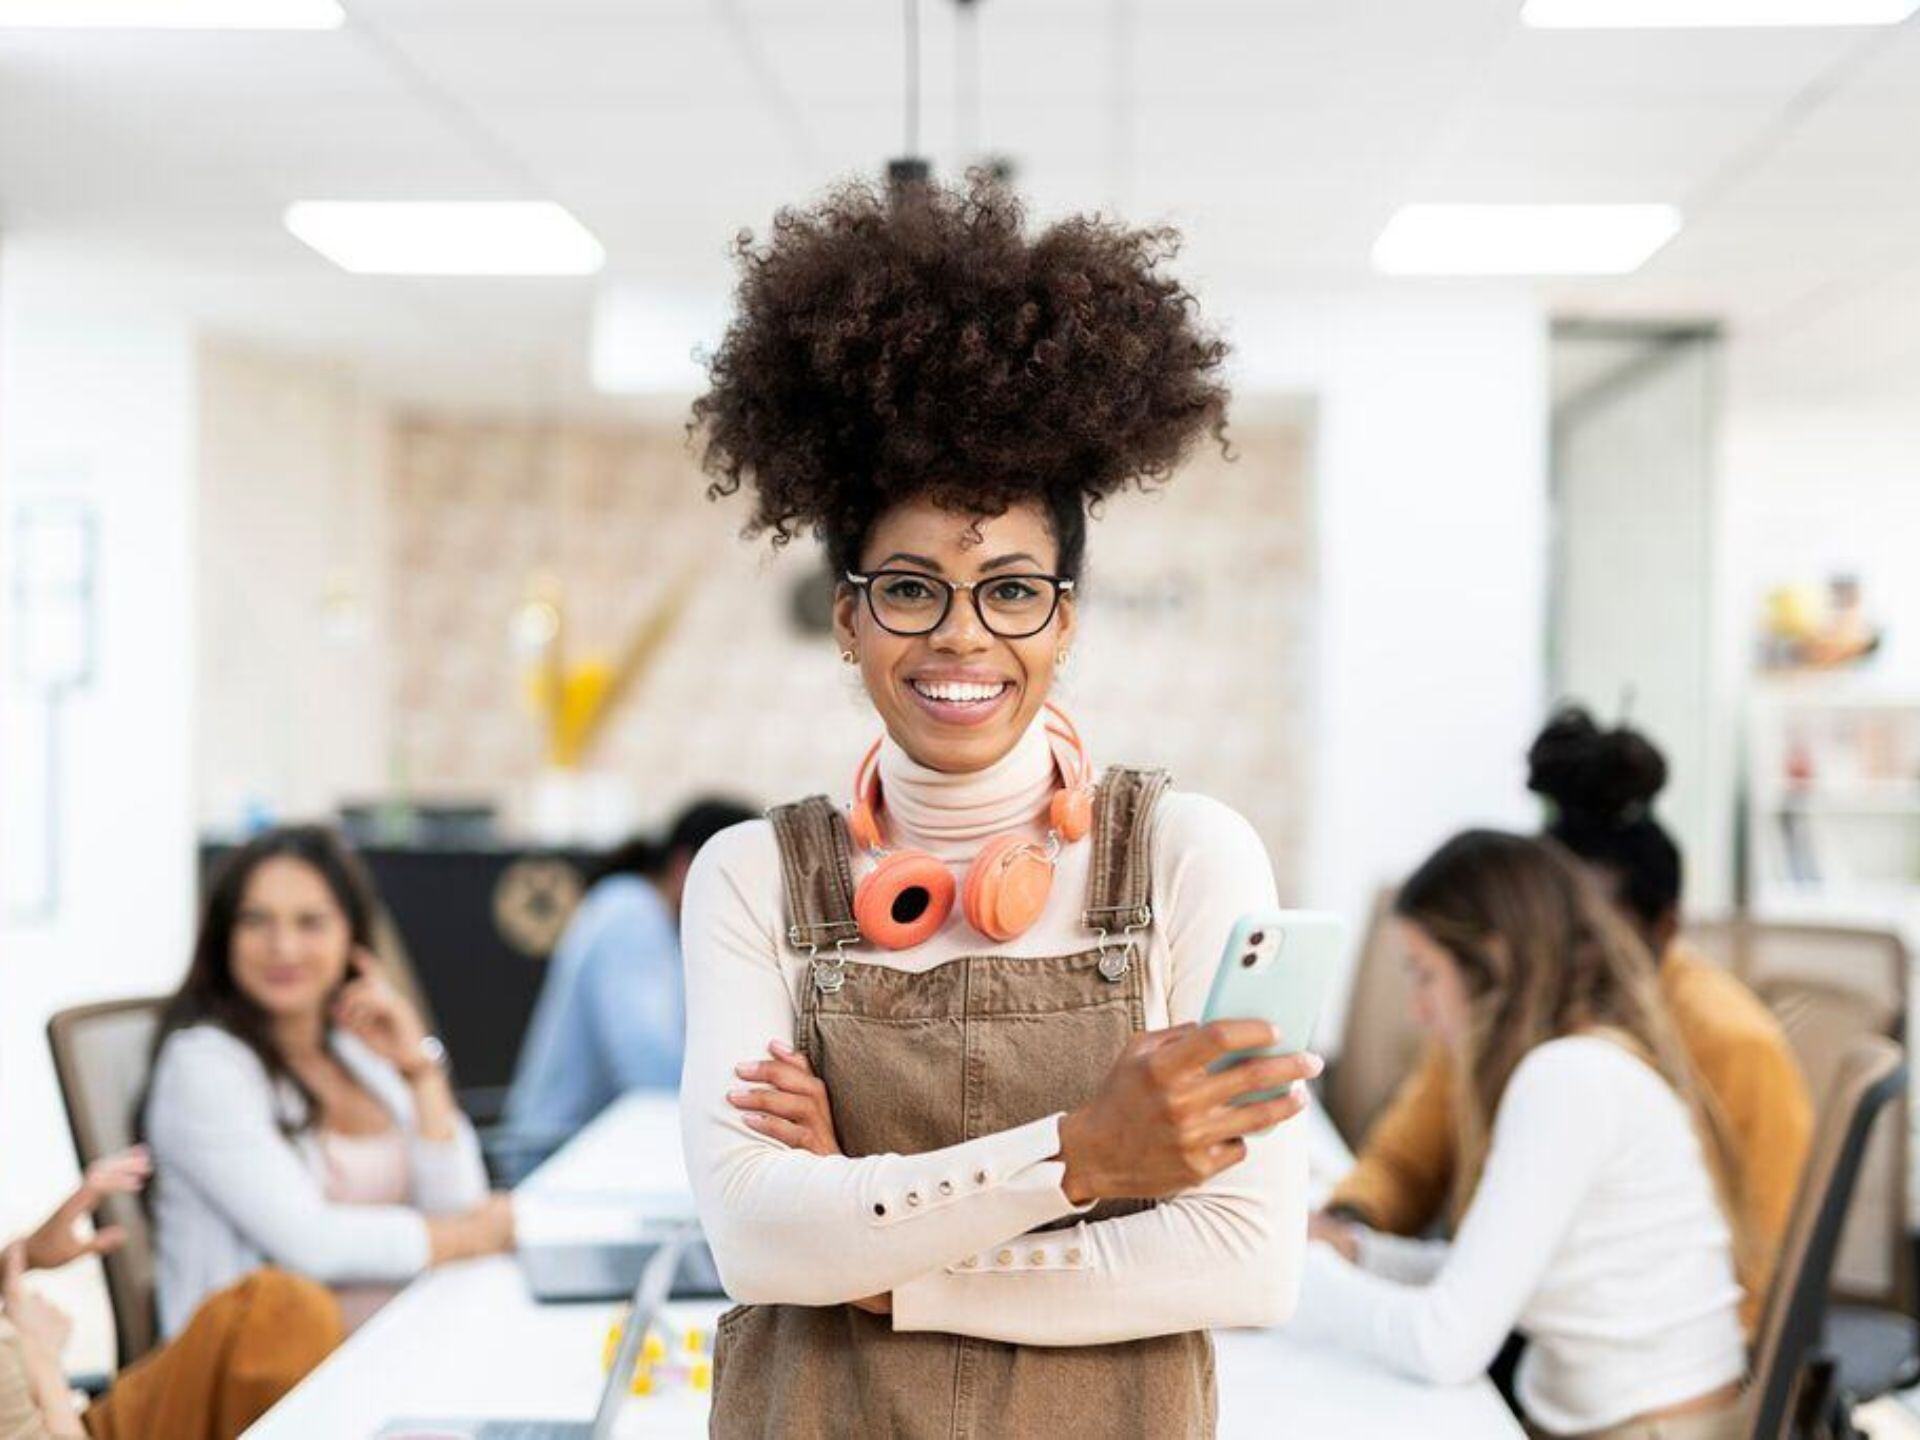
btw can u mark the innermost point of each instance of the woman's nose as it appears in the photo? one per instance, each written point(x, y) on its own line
point(961, 632)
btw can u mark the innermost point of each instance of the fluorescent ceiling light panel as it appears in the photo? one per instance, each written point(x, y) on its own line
point(480, 237)
point(171, 14)
point(1523, 239)
point(1710, 14)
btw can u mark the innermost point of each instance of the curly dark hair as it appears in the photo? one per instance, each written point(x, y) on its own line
point(919, 344)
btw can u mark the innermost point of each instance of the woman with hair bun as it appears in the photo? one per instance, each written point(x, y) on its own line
point(952, 1131)
point(1600, 785)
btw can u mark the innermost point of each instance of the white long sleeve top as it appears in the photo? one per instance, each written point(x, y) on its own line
point(231, 1192)
point(790, 1227)
point(1594, 1231)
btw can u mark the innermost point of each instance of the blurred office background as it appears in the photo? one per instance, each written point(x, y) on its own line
point(428, 551)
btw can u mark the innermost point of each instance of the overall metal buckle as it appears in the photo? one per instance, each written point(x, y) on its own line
point(828, 975)
point(1116, 962)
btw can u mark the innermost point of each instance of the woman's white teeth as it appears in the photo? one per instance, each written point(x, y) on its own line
point(958, 692)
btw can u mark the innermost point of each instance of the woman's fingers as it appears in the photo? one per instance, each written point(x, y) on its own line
point(106, 1241)
point(782, 1075)
point(1262, 1072)
point(119, 1173)
point(783, 1051)
point(1226, 1155)
point(1150, 1041)
point(797, 1108)
point(1234, 1121)
point(793, 1136)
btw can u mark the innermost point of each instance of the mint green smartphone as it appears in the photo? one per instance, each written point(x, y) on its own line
point(1277, 966)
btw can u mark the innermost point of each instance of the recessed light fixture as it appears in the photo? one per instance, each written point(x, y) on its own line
point(479, 237)
point(1523, 239)
point(171, 14)
point(1710, 14)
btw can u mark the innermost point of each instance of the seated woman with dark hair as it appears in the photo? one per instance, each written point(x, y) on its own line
point(243, 1349)
point(299, 1115)
point(1602, 784)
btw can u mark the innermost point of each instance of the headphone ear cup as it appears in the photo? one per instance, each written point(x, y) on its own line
point(1071, 813)
point(1007, 888)
point(904, 900)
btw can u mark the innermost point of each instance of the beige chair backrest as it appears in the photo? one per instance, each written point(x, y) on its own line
point(100, 1054)
point(1868, 1077)
point(1831, 985)
point(1380, 1045)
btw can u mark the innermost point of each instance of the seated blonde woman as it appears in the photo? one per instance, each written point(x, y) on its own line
point(1598, 1221)
point(299, 1115)
point(238, 1354)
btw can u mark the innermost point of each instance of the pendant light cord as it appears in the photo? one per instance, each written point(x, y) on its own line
point(913, 77)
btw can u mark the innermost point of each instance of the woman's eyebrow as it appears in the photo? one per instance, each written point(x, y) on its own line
point(1001, 560)
point(921, 560)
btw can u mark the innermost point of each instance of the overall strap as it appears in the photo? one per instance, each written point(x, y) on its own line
point(1120, 883)
point(816, 869)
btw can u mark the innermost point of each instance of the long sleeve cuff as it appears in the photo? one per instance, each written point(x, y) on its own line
point(1021, 1165)
point(887, 1218)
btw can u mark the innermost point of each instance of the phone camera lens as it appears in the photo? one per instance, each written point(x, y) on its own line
point(1256, 937)
point(1249, 960)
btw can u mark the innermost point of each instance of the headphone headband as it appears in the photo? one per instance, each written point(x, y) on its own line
point(1070, 761)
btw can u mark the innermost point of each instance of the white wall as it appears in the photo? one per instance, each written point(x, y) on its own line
point(1638, 510)
point(100, 408)
point(1817, 483)
point(293, 561)
point(1430, 471)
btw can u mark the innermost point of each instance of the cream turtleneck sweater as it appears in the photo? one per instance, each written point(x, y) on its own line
point(789, 1227)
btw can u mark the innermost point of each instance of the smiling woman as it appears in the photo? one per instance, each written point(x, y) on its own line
point(299, 1115)
point(978, 1178)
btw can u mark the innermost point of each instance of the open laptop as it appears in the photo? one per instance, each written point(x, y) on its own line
point(573, 1272)
point(649, 1293)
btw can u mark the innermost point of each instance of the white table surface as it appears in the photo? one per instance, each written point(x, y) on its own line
point(468, 1340)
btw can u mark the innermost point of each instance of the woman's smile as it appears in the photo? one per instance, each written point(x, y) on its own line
point(961, 697)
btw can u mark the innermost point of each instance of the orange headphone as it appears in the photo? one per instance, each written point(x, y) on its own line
point(908, 895)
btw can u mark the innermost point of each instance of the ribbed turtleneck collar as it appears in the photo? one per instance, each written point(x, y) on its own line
point(950, 815)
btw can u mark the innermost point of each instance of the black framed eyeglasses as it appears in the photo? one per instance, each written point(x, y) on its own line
point(911, 602)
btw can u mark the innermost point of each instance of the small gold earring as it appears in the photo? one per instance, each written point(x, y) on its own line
point(1060, 660)
point(847, 657)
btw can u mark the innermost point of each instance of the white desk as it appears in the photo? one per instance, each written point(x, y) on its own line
point(467, 1339)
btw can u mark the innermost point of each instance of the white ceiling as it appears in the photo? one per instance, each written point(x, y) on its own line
point(1279, 133)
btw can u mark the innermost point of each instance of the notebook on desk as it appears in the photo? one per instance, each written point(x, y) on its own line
point(649, 1294)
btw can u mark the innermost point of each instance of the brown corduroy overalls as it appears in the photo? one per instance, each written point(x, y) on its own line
point(918, 1062)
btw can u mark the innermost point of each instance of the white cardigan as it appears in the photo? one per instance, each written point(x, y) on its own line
point(231, 1193)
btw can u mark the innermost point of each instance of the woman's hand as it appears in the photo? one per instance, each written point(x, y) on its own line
point(1342, 1237)
point(372, 1009)
point(1161, 1123)
point(487, 1229)
point(792, 1107)
point(59, 1240)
